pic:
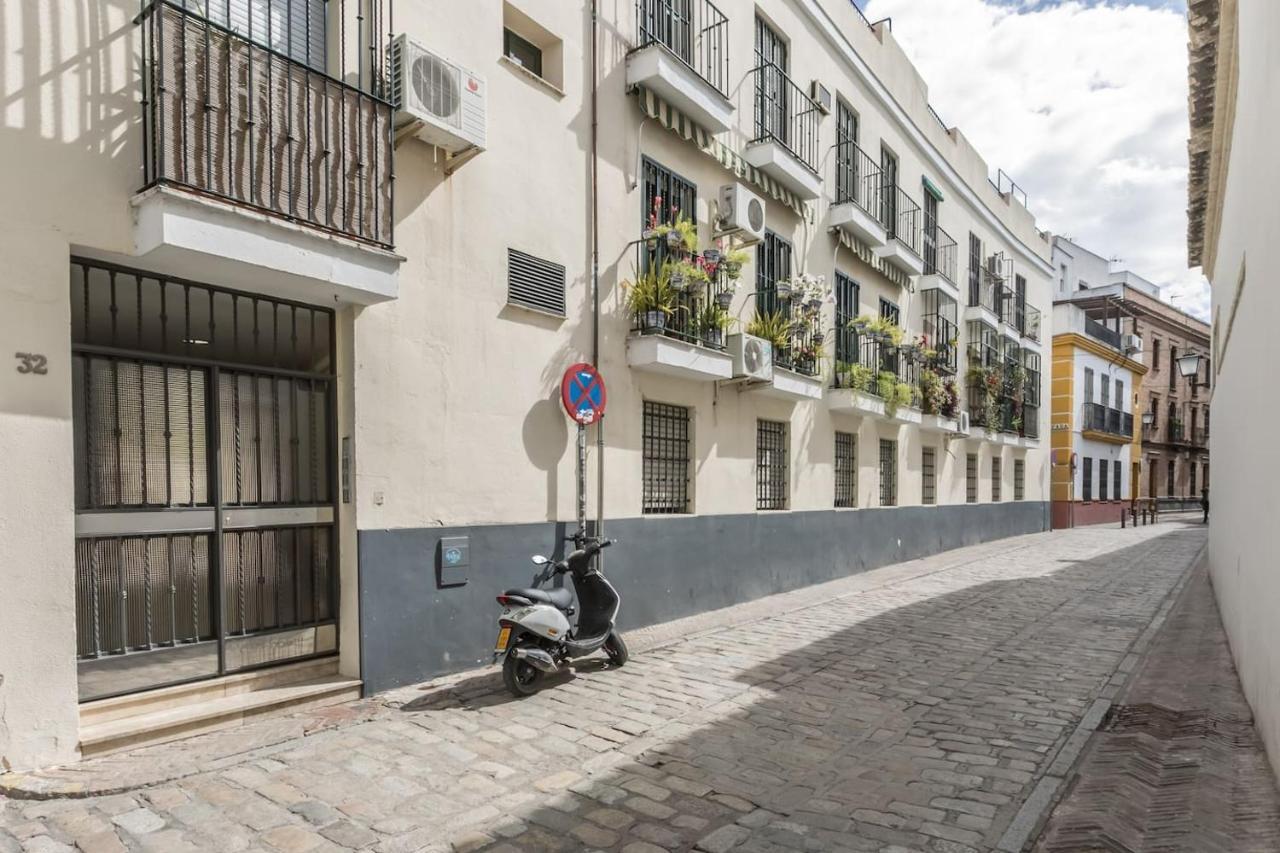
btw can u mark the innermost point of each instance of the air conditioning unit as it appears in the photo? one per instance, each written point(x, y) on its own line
point(1131, 343)
point(741, 213)
point(446, 101)
point(821, 96)
point(752, 357)
point(963, 420)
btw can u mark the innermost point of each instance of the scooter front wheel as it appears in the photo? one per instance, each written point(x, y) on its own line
point(521, 677)
point(616, 649)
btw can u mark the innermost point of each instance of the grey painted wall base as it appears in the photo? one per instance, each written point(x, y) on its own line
point(413, 628)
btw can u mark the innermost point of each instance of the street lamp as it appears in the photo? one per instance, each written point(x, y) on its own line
point(1189, 365)
point(1148, 418)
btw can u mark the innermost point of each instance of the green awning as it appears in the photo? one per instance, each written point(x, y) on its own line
point(932, 189)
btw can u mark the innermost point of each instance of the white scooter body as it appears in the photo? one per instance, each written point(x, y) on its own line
point(540, 619)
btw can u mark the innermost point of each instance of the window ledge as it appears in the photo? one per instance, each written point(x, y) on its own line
point(525, 72)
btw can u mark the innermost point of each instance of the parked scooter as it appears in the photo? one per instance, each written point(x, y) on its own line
point(535, 633)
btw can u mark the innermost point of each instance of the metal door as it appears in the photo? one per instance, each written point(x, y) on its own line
point(204, 422)
point(771, 85)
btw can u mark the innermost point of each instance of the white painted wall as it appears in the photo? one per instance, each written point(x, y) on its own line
point(1244, 537)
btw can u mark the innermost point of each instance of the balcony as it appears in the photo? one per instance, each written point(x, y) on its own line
point(1099, 332)
point(1008, 307)
point(856, 209)
point(939, 331)
point(902, 218)
point(1106, 424)
point(882, 382)
point(785, 145)
point(261, 170)
point(682, 55)
point(940, 253)
point(984, 296)
point(795, 330)
point(1031, 321)
point(679, 314)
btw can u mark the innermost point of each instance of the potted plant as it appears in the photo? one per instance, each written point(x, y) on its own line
point(858, 377)
point(783, 288)
point(734, 261)
point(711, 322)
point(651, 298)
point(681, 234)
point(772, 326)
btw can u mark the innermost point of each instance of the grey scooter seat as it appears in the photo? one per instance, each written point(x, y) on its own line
point(558, 597)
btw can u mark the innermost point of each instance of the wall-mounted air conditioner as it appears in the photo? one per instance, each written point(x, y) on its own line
point(741, 213)
point(821, 96)
point(445, 100)
point(963, 420)
point(1131, 343)
point(752, 357)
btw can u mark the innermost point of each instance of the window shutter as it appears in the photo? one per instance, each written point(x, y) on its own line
point(535, 283)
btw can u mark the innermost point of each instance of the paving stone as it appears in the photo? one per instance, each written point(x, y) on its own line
point(723, 839)
point(345, 833)
point(139, 821)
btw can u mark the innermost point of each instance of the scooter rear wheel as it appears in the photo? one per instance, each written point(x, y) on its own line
point(616, 649)
point(521, 677)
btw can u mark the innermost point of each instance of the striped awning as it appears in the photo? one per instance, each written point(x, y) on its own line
point(680, 124)
point(864, 253)
point(932, 189)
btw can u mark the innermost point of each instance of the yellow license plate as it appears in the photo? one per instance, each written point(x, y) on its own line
point(504, 636)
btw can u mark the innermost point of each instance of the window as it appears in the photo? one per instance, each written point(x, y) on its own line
point(1155, 353)
point(1105, 382)
point(846, 310)
point(975, 270)
point(1120, 401)
point(846, 470)
point(1155, 412)
point(773, 263)
point(665, 459)
point(1086, 477)
point(1019, 479)
point(889, 190)
point(522, 52)
point(1191, 473)
point(1173, 368)
point(995, 479)
point(1169, 480)
point(1102, 479)
point(535, 283)
point(1116, 474)
point(890, 311)
point(666, 196)
point(771, 465)
point(771, 84)
point(971, 478)
point(888, 472)
point(930, 229)
point(847, 184)
point(929, 476)
point(1088, 384)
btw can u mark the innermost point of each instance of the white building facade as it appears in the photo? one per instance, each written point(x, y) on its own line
point(282, 342)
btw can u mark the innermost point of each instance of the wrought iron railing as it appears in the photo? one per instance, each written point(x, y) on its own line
point(1030, 327)
point(984, 291)
point(1100, 418)
point(687, 307)
point(940, 250)
point(786, 114)
point(802, 334)
point(1031, 420)
point(901, 216)
point(1097, 331)
point(239, 104)
point(857, 178)
point(1007, 301)
point(695, 31)
point(940, 335)
point(976, 395)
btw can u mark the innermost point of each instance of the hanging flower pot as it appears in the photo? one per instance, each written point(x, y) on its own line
point(679, 281)
point(783, 289)
point(814, 303)
point(724, 299)
point(732, 269)
point(713, 337)
point(655, 320)
point(712, 256)
point(674, 239)
point(818, 338)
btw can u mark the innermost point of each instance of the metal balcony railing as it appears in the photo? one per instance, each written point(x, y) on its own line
point(857, 178)
point(1007, 302)
point(901, 216)
point(1100, 418)
point(1031, 320)
point(1031, 420)
point(803, 335)
point(695, 31)
point(940, 335)
point(786, 114)
point(977, 393)
point(685, 308)
point(238, 104)
point(940, 250)
point(1097, 331)
point(984, 290)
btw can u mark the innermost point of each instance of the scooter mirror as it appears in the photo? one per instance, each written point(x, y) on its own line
point(539, 560)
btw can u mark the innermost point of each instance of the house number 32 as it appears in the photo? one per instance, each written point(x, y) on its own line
point(30, 362)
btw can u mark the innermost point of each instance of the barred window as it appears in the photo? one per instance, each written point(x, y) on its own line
point(1086, 475)
point(995, 479)
point(1102, 479)
point(846, 310)
point(676, 196)
point(1019, 479)
point(971, 478)
point(665, 455)
point(1117, 475)
point(846, 470)
point(771, 465)
point(888, 472)
point(773, 264)
point(928, 472)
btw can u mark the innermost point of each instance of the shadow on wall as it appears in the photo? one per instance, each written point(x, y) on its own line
point(849, 741)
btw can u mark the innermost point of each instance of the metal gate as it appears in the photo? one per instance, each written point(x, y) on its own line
point(204, 423)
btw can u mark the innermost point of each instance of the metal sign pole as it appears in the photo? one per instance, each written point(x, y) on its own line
point(582, 484)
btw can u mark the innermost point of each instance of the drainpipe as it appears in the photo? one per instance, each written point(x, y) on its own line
point(595, 267)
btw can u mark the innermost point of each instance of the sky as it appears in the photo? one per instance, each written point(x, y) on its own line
point(1083, 103)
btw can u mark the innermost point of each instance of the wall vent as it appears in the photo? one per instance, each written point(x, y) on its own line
point(535, 283)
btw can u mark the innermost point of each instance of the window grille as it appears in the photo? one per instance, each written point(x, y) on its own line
point(665, 459)
point(846, 465)
point(1102, 479)
point(996, 477)
point(773, 264)
point(1086, 476)
point(1117, 473)
point(771, 465)
point(971, 478)
point(928, 473)
point(846, 311)
point(1019, 479)
point(535, 283)
point(846, 140)
point(1169, 484)
point(975, 270)
point(678, 197)
point(888, 472)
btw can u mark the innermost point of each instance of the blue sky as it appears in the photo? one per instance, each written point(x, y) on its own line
point(1083, 102)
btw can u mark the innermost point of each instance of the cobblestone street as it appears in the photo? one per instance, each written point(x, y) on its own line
point(917, 707)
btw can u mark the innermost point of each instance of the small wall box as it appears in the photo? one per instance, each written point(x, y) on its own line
point(453, 560)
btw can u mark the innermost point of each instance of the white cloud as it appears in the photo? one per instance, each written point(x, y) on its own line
point(1084, 104)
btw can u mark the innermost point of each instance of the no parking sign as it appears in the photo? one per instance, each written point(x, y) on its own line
point(583, 394)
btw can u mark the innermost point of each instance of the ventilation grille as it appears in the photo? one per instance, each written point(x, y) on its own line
point(535, 283)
